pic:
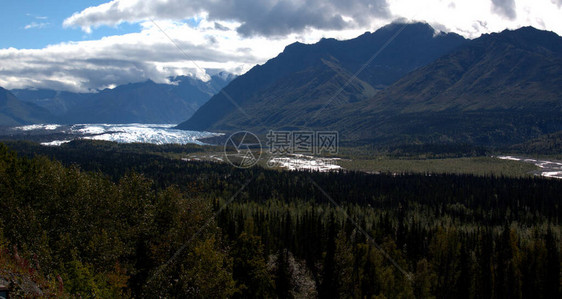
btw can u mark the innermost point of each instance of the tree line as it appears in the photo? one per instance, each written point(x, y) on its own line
point(107, 221)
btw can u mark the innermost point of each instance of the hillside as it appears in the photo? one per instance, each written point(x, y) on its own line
point(142, 102)
point(146, 102)
point(288, 89)
point(502, 88)
point(57, 102)
point(16, 112)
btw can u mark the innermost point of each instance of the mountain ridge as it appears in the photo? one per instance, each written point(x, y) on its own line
point(507, 84)
point(501, 88)
point(416, 45)
point(16, 112)
point(140, 102)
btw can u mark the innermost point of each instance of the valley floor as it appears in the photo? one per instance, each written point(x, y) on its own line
point(483, 166)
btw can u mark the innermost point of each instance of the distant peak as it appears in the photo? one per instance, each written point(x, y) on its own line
point(294, 45)
point(223, 75)
point(329, 39)
point(528, 37)
point(529, 28)
point(409, 28)
point(523, 30)
point(409, 25)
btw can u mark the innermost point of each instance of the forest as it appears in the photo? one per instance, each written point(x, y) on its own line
point(98, 219)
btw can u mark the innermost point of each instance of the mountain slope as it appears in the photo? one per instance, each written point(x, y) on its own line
point(144, 102)
point(147, 102)
point(298, 95)
point(16, 112)
point(501, 88)
point(57, 102)
point(307, 75)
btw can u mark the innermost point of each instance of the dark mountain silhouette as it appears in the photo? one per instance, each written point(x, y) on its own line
point(144, 102)
point(288, 89)
point(57, 102)
point(16, 112)
point(500, 88)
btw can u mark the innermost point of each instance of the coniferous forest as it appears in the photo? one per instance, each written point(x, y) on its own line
point(95, 219)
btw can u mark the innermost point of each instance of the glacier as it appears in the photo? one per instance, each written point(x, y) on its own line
point(121, 133)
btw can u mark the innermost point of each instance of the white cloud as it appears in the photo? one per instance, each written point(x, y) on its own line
point(270, 18)
point(36, 17)
point(282, 17)
point(90, 65)
point(471, 18)
point(149, 54)
point(236, 35)
point(35, 25)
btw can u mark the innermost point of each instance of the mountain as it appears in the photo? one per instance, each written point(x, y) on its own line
point(286, 91)
point(57, 102)
point(502, 88)
point(499, 89)
point(144, 102)
point(16, 112)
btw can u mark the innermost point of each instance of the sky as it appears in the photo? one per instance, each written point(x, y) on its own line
point(87, 45)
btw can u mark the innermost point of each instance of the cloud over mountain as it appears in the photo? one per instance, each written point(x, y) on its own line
point(90, 65)
point(267, 18)
point(178, 37)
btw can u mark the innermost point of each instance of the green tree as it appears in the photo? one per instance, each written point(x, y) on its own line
point(444, 253)
point(553, 266)
point(508, 272)
point(207, 272)
point(424, 280)
point(250, 268)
